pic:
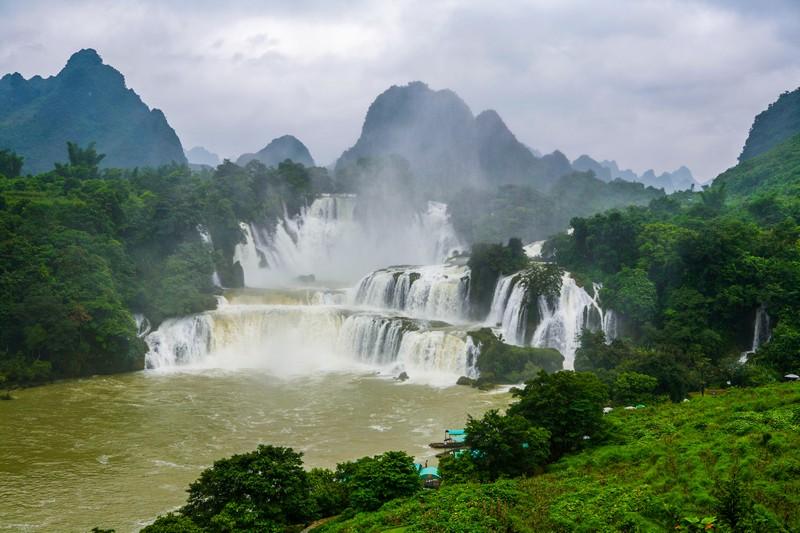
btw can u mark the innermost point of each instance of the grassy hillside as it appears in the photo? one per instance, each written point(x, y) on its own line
point(659, 468)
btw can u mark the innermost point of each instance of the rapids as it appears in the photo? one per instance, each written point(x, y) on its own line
point(327, 240)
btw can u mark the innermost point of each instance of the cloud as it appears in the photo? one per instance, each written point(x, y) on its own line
point(651, 84)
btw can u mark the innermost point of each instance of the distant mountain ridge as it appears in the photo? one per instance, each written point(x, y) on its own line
point(87, 101)
point(773, 126)
point(279, 150)
point(447, 146)
point(679, 179)
point(199, 155)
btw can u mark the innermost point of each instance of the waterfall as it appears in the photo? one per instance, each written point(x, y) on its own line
point(205, 236)
point(534, 249)
point(509, 310)
point(142, 325)
point(473, 351)
point(329, 241)
point(438, 355)
point(575, 310)
point(762, 332)
point(373, 339)
point(438, 292)
point(290, 340)
point(559, 325)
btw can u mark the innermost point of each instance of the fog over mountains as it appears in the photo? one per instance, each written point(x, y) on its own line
point(446, 145)
point(435, 131)
point(279, 150)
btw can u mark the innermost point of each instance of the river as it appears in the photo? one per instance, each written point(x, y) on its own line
point(115, 451)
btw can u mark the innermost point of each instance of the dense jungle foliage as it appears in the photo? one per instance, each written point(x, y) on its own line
point(688, 274)
point(81, 248)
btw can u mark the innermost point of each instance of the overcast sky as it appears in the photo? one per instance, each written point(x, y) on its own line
point(652, 84)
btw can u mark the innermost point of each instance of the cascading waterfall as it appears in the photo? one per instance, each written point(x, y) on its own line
point(143, 326)
point(328, 241)
point(762, 332)
point(205, 236)
point(434, 292)
point(575, 310)
point(559, 325)
point(509, 311)
point(290, 340)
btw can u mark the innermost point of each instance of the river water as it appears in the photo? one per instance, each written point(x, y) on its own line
point(115, 451)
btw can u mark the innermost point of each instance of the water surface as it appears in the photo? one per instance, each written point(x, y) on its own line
point(115, 451)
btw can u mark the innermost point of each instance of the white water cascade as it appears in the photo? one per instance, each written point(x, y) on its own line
point(205, 236)
point(327, 240)
point(762, 332)
point(509, 311)
point(435, 292)
point(559, 326)
point(290, 340)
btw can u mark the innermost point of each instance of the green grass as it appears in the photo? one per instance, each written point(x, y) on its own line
point(657, 466)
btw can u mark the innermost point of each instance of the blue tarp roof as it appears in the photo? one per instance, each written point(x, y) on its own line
point(429, 471)
point(455, 431)
point(459, 438)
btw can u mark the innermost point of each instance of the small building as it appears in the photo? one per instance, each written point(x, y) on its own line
point(430, 477)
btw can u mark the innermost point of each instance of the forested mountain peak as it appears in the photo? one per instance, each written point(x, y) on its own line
point(779, 122)
point(279, 150)
point(445, 144)
point(87, 101)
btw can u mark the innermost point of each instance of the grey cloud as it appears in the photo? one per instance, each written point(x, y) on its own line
point(650, 84)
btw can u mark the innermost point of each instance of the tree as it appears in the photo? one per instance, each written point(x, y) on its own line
point(328, 493)
point(782, 352)
point(84, 157)
point(373, 481)
point(632, 388)
point(506, 446)
point(265, 487)
point(631, 293)
point(172, 523)
point(567, 404)
point(10, 164)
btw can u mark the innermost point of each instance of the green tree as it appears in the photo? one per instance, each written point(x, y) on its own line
point(10, 164)
point(329, 493)
point(631, 293)
point(373, 481)
point(632, 388)
point(506, 445)
point(172, 523)
point(567, 404)
point(84, 157)
point(266, 487)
